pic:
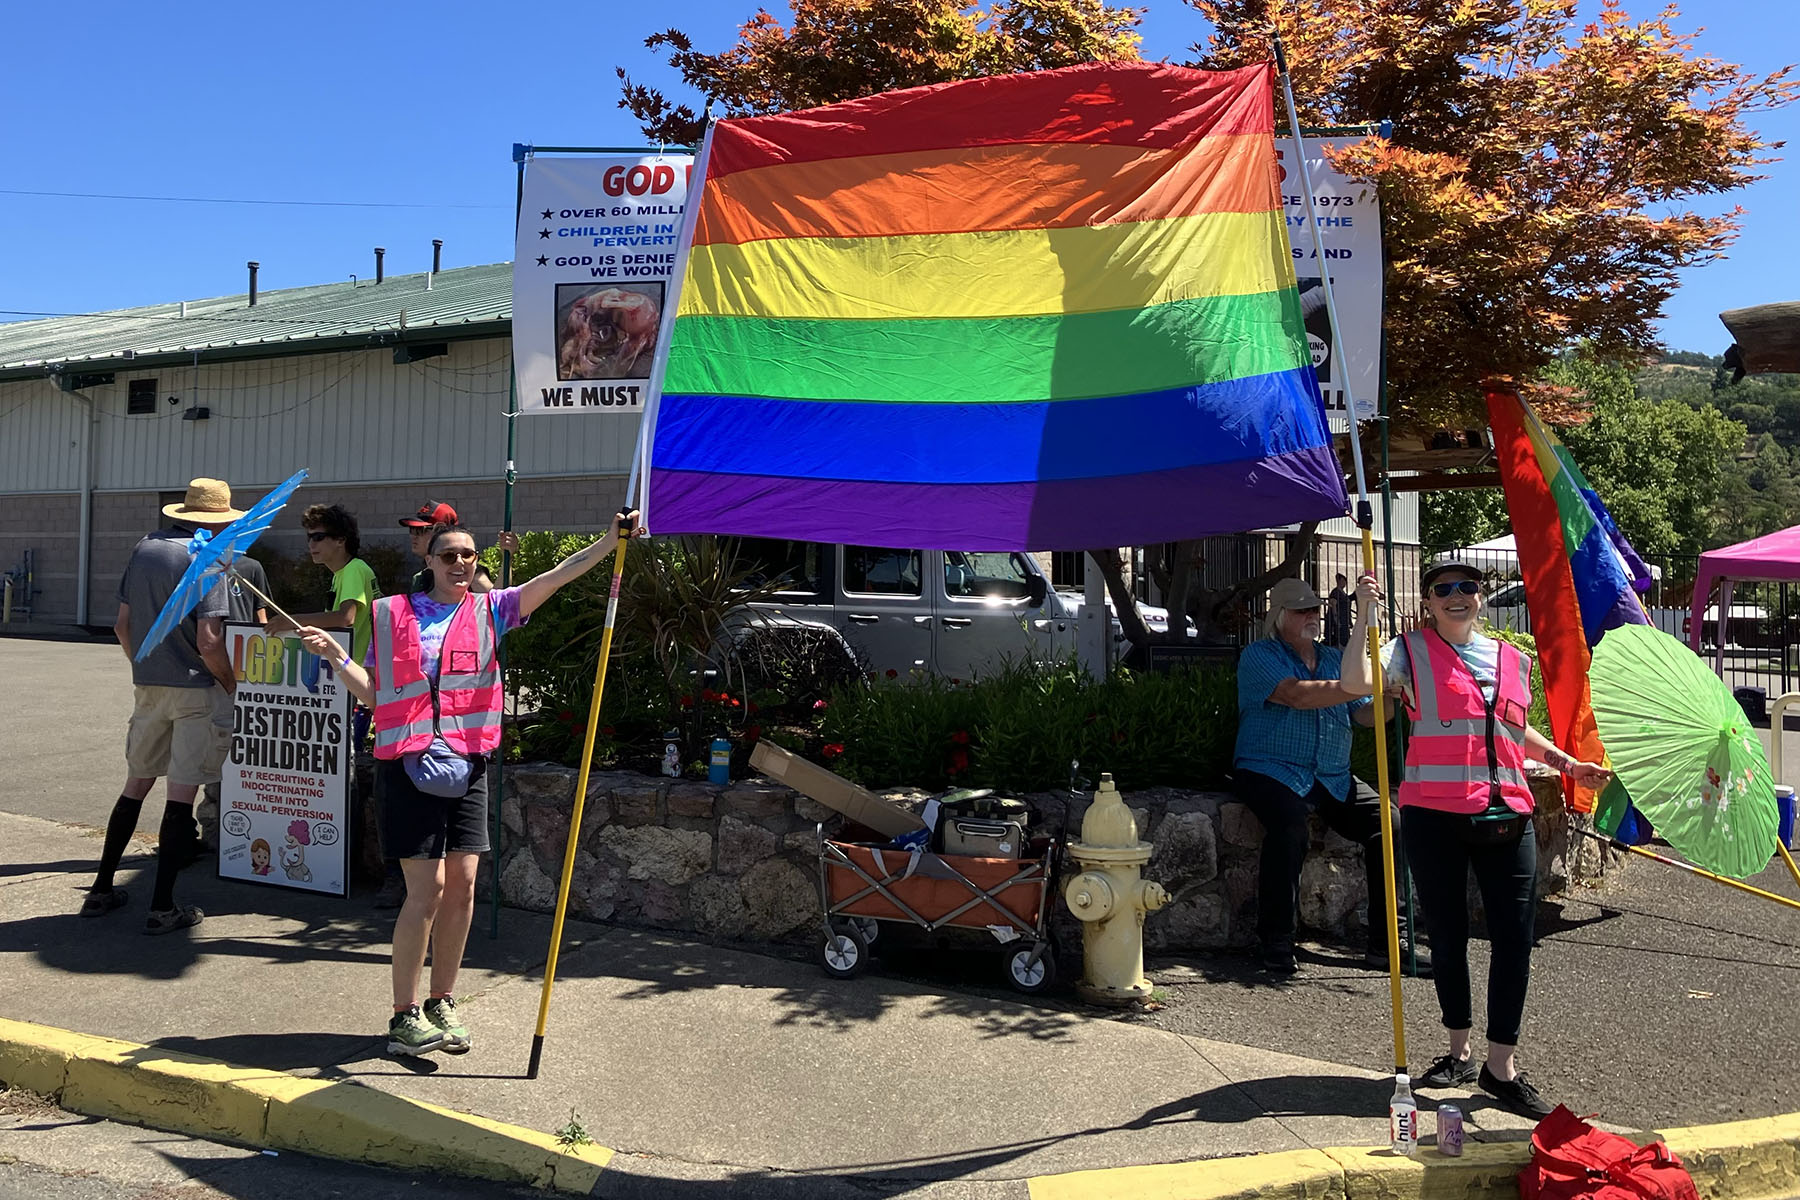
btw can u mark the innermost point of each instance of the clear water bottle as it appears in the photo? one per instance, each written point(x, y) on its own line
point(1403, 1118)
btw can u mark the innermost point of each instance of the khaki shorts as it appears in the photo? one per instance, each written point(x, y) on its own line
point(181, 734)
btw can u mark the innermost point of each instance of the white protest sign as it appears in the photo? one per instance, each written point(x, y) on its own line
point(286, 785)
point(592, 272)
point(1349, 219)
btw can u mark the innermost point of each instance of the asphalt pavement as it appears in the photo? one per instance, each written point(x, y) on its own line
point(1660, 1000)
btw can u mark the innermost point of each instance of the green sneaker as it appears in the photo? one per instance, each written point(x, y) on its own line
point(410, 1033)
point(442, 1013)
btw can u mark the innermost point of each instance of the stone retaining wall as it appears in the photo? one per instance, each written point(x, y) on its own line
point(739, 861)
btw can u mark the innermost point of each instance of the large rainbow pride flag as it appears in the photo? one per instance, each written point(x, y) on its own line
point(1581, 576)
point(1044, 311)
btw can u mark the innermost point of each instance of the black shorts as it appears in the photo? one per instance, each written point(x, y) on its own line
point(415, 825)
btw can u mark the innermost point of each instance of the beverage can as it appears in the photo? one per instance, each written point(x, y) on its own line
point(1450, 1130)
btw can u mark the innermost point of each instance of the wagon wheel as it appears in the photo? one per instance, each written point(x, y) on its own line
point(869, 927)
point(1027, 976)
point(843, 953)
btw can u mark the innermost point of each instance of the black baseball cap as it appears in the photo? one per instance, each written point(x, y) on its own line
point(1446, 565)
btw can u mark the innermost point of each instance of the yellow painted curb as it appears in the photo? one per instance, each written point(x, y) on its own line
point(1742, 1160)
point(167, 1090)
point(1290, 1175)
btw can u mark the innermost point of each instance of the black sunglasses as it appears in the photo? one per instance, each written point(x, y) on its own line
point(1468, 587)
point(456, 556)
point(317, 535)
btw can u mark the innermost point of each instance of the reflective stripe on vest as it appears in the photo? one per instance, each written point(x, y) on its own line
point(468, 702)
point(1447, 758)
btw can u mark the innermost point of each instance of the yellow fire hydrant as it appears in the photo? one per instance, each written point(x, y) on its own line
point(1111, 900)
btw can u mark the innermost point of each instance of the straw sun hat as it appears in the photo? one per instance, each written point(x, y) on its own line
point(208, 502)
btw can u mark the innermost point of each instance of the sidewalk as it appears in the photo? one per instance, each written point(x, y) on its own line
point(692, 1059)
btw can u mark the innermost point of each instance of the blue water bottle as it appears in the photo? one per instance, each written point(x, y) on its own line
point(719, 771)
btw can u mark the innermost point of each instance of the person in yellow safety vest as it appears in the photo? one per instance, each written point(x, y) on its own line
point(1464, 804)
point(432, 678)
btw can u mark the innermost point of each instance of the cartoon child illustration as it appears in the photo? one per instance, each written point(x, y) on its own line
point(293, 858)
point(259, 857)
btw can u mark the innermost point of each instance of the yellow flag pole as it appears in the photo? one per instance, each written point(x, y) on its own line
point(1785, 856)
point(1365, 518)
point(581, 786)
point(1691, 869)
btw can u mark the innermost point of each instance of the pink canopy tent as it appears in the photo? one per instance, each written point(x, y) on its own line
point(1772, 558)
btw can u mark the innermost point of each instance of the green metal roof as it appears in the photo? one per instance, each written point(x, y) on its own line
point(466, 302)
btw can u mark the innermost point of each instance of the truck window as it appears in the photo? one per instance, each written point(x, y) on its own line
point(797, 567)
point(876, 570)
point(984, 573)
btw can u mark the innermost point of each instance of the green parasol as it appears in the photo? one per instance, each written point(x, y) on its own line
point(1685, 751)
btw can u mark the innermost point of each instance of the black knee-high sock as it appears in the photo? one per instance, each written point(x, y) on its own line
point(176, 839)
point(119, 828)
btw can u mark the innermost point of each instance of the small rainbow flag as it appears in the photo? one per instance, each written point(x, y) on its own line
point(1044, 311)
point(1581, 575)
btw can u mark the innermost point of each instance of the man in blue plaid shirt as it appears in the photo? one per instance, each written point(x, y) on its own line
point(1293, 759)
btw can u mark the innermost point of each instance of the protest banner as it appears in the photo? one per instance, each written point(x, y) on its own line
point(1349, 217)
point(592, 270)
point(286, 784)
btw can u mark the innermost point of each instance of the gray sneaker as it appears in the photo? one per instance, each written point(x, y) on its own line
point(171, 919)
point(410, 1033)
point(442, 1012)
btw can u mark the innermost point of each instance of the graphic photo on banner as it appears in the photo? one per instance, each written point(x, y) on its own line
point(1349, 217)
point(284, 795)
point(595, 257)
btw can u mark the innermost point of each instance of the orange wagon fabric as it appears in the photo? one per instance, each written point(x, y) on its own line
point(932, 898)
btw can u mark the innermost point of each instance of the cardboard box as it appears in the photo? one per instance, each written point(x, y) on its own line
point(833, 791)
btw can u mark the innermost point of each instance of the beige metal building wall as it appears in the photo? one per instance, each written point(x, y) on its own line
point(374, 434)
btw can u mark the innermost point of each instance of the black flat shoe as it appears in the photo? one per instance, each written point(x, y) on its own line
point(1516, 1094)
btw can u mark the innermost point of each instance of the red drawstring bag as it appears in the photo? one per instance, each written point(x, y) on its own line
point(1571, 1160)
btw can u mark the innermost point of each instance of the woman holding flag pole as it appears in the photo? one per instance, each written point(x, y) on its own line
point(1465, 805)
point(433, 680)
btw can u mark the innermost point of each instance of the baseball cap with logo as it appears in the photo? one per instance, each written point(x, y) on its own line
point(432, 512)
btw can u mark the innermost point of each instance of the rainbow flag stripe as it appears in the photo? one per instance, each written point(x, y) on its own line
point(1043, 311)
point(1579, 570)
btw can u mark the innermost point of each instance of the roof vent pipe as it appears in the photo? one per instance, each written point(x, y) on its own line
point(253, 265)
point(437, 255)
point(379, 253)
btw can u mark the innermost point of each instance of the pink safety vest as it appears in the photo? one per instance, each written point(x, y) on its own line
point(1459, 750)
point(469, 692)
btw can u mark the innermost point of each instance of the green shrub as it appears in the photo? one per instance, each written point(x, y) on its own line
point(1020, 728)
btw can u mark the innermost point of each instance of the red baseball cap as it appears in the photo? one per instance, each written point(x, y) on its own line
point(432, 512)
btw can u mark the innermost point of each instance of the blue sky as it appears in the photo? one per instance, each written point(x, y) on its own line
point(392, 104)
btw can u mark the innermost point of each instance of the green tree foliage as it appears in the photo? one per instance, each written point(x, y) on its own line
point(1664, 466)
point(842, 49)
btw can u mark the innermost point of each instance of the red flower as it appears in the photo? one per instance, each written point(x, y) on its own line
point(565, 716)
point(709, 695)
point(954, 682)
point(753, 732)
point(818, 704)
point(725, 695)
point(750, 707)
point(687, 702)
point(607, 730)
point(960, 737)
point(832, 749)
point(580, 730)
point(735, 704)
point(959, 760)
point(893, 674)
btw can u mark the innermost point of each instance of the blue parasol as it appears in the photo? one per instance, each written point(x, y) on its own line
point(210, 555)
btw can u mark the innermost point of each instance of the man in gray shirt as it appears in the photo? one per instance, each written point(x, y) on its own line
point(182, 705)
